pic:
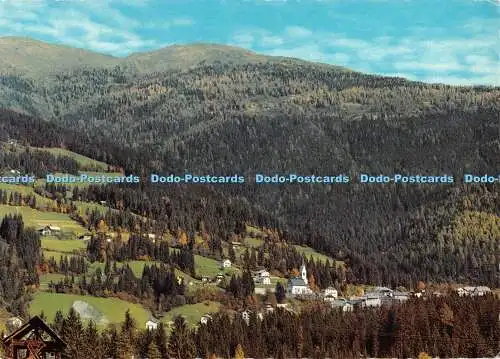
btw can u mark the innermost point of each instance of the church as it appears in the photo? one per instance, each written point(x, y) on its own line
point(298, 285)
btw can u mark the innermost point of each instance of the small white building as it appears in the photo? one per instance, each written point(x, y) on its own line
point(49, 230)
point(330, 292)
point(205, 319)
point(262, 277)
point(371, 301)
point(226, 263)
point(151, 324)
point(342, 304)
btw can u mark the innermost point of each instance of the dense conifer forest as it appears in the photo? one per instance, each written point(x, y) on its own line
point(232, 112)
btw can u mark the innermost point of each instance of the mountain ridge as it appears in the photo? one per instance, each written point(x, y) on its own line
point(32, 57)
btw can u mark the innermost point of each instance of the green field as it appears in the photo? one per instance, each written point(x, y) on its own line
point(45, 279)
point(309, 252)
point(57, 255)
point(36, 218)
point(192, 312)
point(210, 267)
point(60, 245)
point(114, 309)
point(85, 162)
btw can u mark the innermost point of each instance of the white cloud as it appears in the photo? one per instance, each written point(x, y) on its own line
point(92, 24)
point(428, 55)
point(298, 32)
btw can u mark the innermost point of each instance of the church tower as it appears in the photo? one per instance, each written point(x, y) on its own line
point(303, 272)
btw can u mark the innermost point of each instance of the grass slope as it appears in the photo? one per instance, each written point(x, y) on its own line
point(114, 309)
point(36, 218)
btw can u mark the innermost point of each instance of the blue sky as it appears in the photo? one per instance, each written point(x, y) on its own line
point(448, 41)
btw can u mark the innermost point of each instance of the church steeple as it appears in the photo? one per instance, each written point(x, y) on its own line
point(303, 272)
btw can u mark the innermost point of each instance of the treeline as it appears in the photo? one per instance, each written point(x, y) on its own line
point(35, 162)
point(442, 327)
point(158, 288)
point(19, 260)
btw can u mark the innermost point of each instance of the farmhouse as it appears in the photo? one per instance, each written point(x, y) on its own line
point(35, 339)
point(205, 318)
point(262, 277)
point(85, 237)
point(330, 292)
point(343, 304)
point(49, 230)
point(151, 324)
point(226, 263)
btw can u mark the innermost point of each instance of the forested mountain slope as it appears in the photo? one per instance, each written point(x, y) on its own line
point(250, 116)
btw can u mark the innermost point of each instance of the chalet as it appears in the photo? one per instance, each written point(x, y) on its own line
point(49, 230)
point(269, 308)
point(246, 316)
point(152, 324)
point(226, 263)
point(34, 340)
point(371, 300)
point(400, 296)
point(343, 304)
point(330, 292)
point(262, 277)
point(219, 278)
point(205, 318)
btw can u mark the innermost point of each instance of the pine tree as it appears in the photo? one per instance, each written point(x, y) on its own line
point(160, 340)
point(153, 352)
point(181, 344)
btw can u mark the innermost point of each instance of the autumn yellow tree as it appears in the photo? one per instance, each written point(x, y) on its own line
point(239, 353)
point(102, 227)
point(424, 355)
point(183, 238)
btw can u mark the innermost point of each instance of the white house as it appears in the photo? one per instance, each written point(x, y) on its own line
point(262, 277)
point(342, 304)
point(371, 300)
point(246, 316)
point(49, 230)
point(330, 292)
point(151, 324)
point(226, 263)
point(205, 318)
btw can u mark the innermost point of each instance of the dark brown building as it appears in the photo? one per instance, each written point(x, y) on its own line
point(34, 340)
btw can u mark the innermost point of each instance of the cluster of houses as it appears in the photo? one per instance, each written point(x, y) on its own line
point(473, 291)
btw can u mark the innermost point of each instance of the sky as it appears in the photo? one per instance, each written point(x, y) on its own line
point(447, 41)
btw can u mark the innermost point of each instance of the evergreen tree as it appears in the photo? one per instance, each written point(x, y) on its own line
point(181, 344)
